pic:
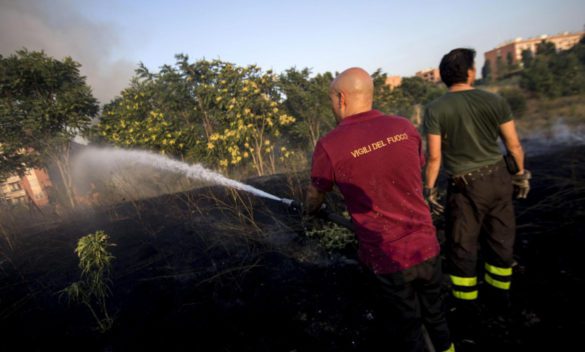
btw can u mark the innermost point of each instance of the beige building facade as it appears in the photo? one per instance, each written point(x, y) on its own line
point(514, 48)
point(430, 74)
point(393, 81)
point(26, 189)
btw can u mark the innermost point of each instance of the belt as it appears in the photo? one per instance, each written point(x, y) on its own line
point(475, 174)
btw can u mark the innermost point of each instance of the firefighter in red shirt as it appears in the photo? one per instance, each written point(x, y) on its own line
point(376, 161)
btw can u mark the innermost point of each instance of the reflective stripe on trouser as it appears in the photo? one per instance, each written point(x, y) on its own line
point(450, 349)
point(498, 277)
point(464, 287)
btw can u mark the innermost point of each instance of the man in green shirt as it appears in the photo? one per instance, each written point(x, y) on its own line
point(462, 129)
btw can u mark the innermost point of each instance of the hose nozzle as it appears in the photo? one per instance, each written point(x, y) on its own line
point(293, 205)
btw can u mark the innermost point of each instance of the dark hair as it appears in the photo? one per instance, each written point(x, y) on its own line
point(455, 64)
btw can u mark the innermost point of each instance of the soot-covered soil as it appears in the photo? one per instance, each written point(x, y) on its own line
point(216, 270)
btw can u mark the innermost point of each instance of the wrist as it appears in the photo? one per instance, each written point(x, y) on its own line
point(428, 191)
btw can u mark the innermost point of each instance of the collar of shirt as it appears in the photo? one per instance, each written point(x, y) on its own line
point(362, 116)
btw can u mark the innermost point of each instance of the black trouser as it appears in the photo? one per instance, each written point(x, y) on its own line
point(480, 208)
point(411, 298)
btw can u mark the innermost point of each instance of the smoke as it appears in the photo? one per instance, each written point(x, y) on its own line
point(559, 135)
point(60, 29)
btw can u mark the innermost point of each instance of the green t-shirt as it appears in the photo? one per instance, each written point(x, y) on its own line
point(468, 122)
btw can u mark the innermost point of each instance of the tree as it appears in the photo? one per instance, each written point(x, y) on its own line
point(390, 101)
point(44, 104)
point(501, 68)
point(553, 74)
point(486, 71)
point(511, 65)
point(307, 99)
point(406, 99)
point(545, 48)
point(211, 111)
point(569, 73)
point(527, 58)
point(539, 79)
point(420, 91)
point(515, 99)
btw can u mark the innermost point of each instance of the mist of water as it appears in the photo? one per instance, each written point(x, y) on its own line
point(110, 157)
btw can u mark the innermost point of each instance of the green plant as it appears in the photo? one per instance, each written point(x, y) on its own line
point(332, 236)
point(93, 289)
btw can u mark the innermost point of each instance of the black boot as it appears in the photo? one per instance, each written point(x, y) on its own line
point(464, 319)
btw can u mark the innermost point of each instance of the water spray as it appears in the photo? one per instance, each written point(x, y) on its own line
point(117, 157)
point(121, 157)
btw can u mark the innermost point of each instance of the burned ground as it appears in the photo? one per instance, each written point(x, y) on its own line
point(216, 270)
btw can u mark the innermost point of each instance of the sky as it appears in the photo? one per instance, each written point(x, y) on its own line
point(109, 38)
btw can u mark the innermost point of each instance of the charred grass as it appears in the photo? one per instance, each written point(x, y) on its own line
point(213, 269)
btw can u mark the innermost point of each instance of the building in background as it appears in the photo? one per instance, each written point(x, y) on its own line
point(30, 188)
point(510, 52)
point(430, 74)
point(393, 81)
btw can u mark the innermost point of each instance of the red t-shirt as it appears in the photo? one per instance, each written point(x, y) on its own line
point(376, 160)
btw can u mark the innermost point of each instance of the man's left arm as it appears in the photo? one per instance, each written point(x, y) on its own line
point(432, 173)
point(512, 142)
point(520, 180)
point(433, 160)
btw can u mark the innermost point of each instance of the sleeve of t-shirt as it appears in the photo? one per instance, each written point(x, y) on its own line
point(506, 112)
point(322, 175)
point(430, 122)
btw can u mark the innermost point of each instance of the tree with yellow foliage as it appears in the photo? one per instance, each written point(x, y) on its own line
point(212, 111)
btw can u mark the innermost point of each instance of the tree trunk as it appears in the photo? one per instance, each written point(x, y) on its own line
point(314, 132)
point(259, 164)
point(61, 159)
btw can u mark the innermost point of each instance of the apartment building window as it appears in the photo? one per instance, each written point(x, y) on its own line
point(14, 186)
point(19, 200)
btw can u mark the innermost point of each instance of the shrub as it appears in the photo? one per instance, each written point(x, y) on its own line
point(93, 288)
point(332, 236)
point(516, 99)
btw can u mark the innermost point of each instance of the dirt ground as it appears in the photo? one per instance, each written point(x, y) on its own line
point(216, 270)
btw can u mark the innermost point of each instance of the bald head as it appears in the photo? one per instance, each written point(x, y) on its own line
point(351, 92)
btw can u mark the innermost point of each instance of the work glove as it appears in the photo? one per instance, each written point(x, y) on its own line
point(432, 198)
point(521, 184)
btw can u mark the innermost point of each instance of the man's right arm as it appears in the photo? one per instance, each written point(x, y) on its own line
point(432, 173)
point(313, 200)
point(322, 177)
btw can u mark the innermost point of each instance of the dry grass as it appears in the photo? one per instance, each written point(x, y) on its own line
point(543, 114)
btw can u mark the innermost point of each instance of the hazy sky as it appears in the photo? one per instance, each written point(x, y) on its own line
point(401, 37)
